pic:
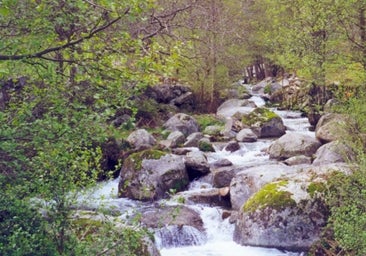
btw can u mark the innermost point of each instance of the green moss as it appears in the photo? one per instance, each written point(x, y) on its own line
point(315, 187)
point(258, 115)
point(135, 159)
point(208, 120)
point(205, 146)
point(270, 196)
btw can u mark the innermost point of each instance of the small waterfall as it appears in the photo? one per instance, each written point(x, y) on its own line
point(218, 240)
point(178, 236)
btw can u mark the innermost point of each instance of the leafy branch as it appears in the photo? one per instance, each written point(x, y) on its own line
point(41, 54)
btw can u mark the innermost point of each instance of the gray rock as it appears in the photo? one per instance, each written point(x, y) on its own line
point(287, 213)
point(174, 226)
point(297, 160)
point(171, 215)
point(232, 106)
point(141, 139)
point(222, 176)
point(205, 145)
point(212, 197)
point(250, 180)
point(293, 228)
point(213, 130)
point(183, 123)
point(332, 127)
point(196, 164)
point(177, 138)
point(232, 146)
point(264, 122)
point(222, 163)
point(293, 144)
point(246, 135)
point(148, 175)
point(333, 152)
point(193, 139)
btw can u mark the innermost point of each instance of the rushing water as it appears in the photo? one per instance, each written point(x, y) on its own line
point(218, 239)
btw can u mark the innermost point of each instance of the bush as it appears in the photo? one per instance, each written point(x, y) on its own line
point(22, 229)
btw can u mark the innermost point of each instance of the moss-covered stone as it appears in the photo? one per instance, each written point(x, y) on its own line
point(135, 159)
point(208, 120)
point(205, 146)
point(258, 116)
point(272, 196)
point(315, 187)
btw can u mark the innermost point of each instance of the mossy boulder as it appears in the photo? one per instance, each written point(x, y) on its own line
point(272, 196)
point(264, 122)
point(282, 209)
point(282, 215)
point(150, 174)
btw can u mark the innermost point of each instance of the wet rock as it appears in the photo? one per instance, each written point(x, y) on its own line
point(222, 176)
point(293, 144)
point(232, 146)
point(211, 197)
point(157, 217)
point(174, 226)
point(196, 164)
point(222, 163)
point(246, 135)
point(265, 123)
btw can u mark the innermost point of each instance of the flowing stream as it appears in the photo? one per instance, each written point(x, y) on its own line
point(218, 240)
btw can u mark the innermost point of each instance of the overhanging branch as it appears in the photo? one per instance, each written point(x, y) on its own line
point(41, 54)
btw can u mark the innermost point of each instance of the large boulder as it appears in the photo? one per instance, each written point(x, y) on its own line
point(287, 213)
point(332, 127)
point(150, 174)
point(248, 181)
point(281, 215)
point(333, 152)
point(141, 139)
point(183, 123)
point(264, 122)
point(293, 144)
